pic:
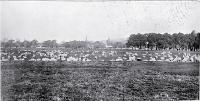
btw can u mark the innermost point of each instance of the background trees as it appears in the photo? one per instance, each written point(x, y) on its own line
point(118, 45)
point(26, 44)
point(75, 44)
point(50, 44)
point(151, 41)
point(34, 43)
point(178, 41)
point(136, 40)
point(98, 44)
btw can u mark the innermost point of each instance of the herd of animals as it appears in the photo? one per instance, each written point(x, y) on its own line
point(99, 55)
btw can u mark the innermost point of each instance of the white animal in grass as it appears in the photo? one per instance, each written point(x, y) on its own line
point(111, 53)
point(15, 58)
point(62, 58)
point(156, 56)
point(162, 58)
point(135, 54)
point(4, 59)
point(132, 58)
point(145, 60)
point(197, 57)
point(87, 55)
point(95, 57)
point(93, 53)
point(191, 59)
point(167, 60)
point(124, 58)
point(45, 59)
point(64, 54)
point(88, 59)
point(103, 53)
point(128, 53)
point(112, 60)
point(152, 59)
point(96, 51)
point(194, 58)
point(171, 58)
point(119, 59)
point(32, 59)
point(185, 58)
point(72, 59)
point(163, 53)
point(177, 59)
point(84, 59)
point(56, 98)
point(52, 59)
point(144, 54)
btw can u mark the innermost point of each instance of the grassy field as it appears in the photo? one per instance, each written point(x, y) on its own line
point(138, 81)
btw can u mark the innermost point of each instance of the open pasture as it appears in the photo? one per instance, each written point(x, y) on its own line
point(89, 81)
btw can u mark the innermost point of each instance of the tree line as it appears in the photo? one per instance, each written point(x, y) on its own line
point(151, 41)
point(51, 44)
point(28, 44)
point(156, 41)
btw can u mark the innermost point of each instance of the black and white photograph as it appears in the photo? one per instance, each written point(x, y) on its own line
point(100, 50)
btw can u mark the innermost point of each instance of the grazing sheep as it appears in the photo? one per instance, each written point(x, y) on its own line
point(152, 59)
point(132, 58)
point(119, 59)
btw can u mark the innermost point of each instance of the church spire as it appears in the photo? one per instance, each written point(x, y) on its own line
point(86, 38)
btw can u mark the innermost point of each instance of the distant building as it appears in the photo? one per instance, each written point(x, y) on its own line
point(88, 44)
point(108, 43)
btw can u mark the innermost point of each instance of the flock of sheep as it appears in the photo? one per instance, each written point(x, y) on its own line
point(99, 55)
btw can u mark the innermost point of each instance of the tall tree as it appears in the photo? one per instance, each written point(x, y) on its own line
point(10, 43)
point(98, 44)
point(137, 40)
point(26, 44)
point(47, 43)
point(34, 43)
point(18, 44)
point(152, 40)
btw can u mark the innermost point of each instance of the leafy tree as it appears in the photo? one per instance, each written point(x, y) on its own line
point(75, 44)
point(54, 43)
point(18, 44)
point(66, 44)
point(191, 40)
point(10, 43)
point(34, 43)
point(168, 40)
point(26, 44)
point(152, 40)
point(163, 41)
point(47, 43)
point(137, 40)
point(118, 45)
point(196, 44)
point(50, 43)
point(98, 44)
point(3, 44)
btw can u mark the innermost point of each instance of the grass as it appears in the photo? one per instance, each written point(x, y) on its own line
point(54, 81)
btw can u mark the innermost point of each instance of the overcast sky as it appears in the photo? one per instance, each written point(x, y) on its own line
point(65, 21)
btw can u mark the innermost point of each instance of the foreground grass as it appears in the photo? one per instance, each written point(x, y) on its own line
point(40, 81)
